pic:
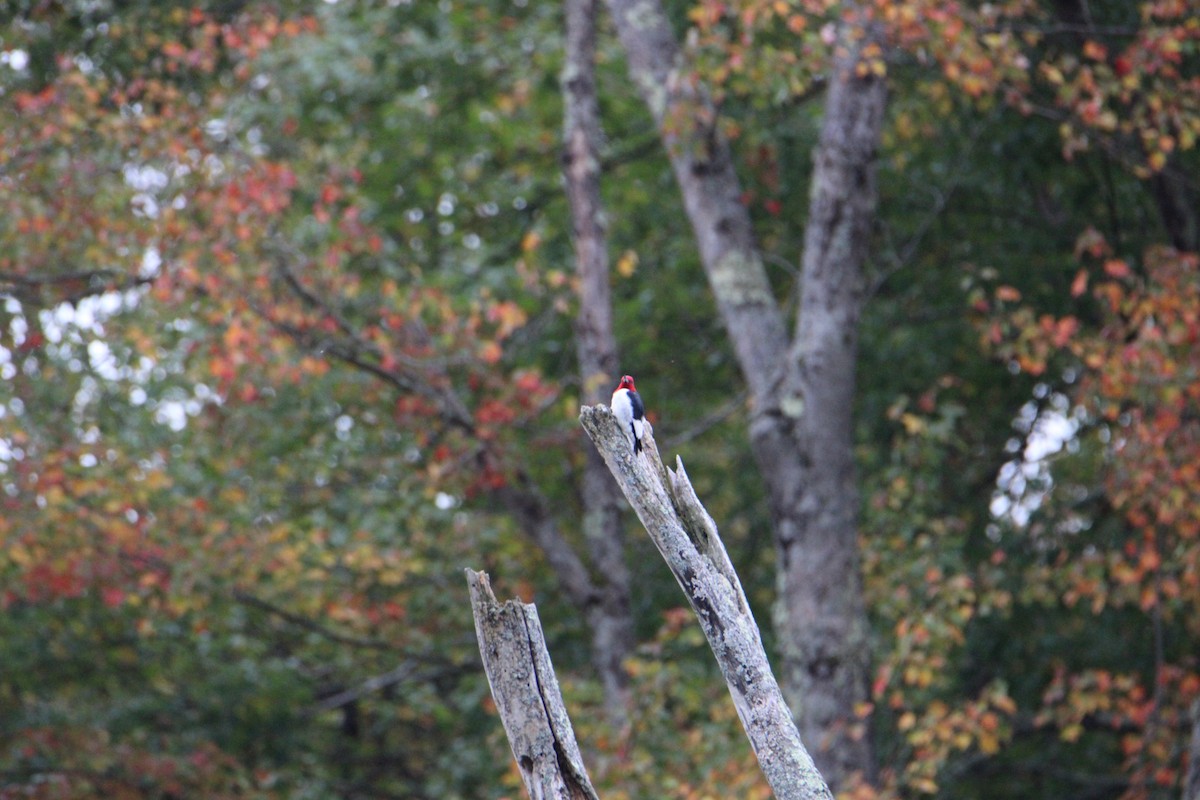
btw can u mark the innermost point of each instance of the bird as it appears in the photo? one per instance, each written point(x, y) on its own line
point(628, 409)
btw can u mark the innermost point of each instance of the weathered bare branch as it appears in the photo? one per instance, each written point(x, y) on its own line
point(688, 540)
point(527, 696)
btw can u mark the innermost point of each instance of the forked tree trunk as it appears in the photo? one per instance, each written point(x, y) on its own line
point(803, 389)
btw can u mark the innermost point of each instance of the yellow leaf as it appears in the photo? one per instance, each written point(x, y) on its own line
point(391, 577)
point(925, 785)
point(530, 241)
point(20, 555)
point(512, 316)
point(157, 480)
point(627, 263)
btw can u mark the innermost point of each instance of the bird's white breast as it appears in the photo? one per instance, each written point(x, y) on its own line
point(622, 407)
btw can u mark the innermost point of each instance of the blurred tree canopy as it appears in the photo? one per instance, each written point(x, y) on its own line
point(285, 342)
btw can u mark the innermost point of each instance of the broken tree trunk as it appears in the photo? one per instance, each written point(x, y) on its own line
point(518, 665)
point(527, 696)
point(687, 538)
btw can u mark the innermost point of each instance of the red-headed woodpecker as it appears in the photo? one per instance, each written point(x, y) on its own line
point(629, 411)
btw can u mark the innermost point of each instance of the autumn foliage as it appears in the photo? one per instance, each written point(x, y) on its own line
point(1137, 389)
point(284, 319)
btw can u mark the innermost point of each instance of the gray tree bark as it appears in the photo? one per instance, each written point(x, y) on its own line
point(527, 696)
point(821, 616)
point(610, 618)
point(688, 540)
point(803, 389)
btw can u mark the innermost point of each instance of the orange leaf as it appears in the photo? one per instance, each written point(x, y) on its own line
point(509, 317)
point(490, 352)
point(1095, 51)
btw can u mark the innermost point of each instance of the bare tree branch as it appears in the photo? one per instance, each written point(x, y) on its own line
point(17, 278)
point(27, 288)
point(408, 670)
point(714, 418)
point(300, 621)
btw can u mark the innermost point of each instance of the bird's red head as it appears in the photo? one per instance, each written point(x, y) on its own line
point(626, 383)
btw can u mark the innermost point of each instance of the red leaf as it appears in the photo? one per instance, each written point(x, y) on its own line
point(1064, 329)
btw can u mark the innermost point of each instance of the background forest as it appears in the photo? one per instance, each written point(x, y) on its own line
point(291, 332)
